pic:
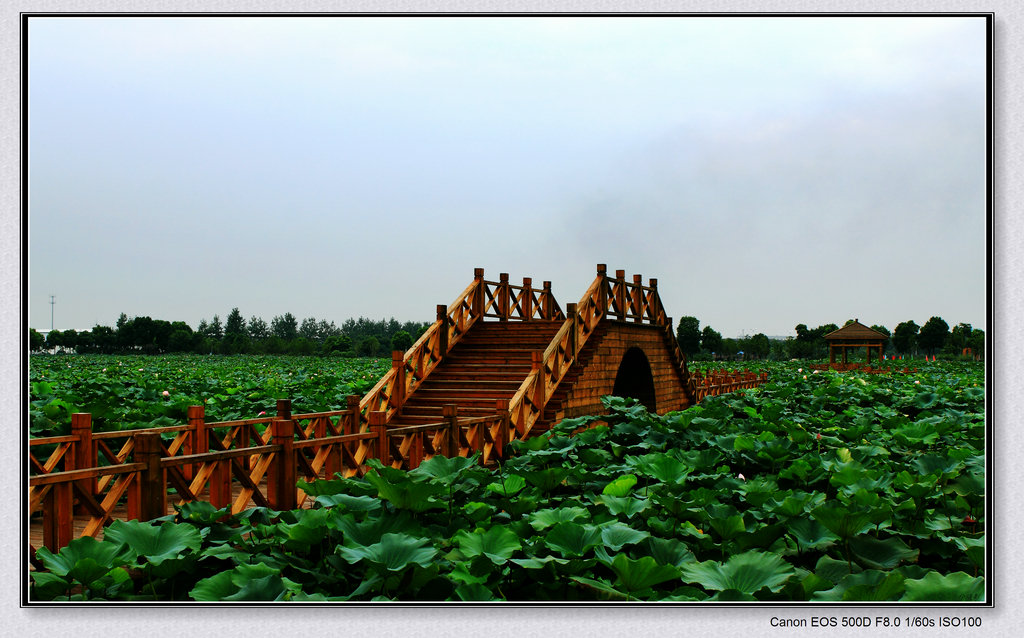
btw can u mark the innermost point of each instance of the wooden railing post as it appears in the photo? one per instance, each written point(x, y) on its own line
point(547, 308)
point(442, 337)
point(537, 364)
point(573, 316)
point(503, 296)
point(398, 393)
point(602, 294)
point(284, 409)
point(477, 304)
point(152, 483)
point(638, 298)
point(58, 516)
point(503, 428)
point(199, 439)
point(352, 407)
point(378, 427)
point(283, 475)
point(451, 416)
point(526, 300)
point(85, 451)
point(284, 413)
point(620, 294)
point(656, 303)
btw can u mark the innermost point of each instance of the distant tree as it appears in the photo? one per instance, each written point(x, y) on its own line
point(338, 343)
point(368, 347)
point(882, 329)
point(308, 329)
point(401, 340)
point(760, 345)
point(802, 333)
point(302, 346)
point(904, 337)
point(83, 342)
point(711, 340)
point(104, 339)
point(285, 327)
point(181, 340)
point(976, 342)
point(235, 325)
point(69, 340)
point(933, 335)
point(54, 339)
point(688, 335)
point(960, 337)
point(216, 328)
point(729, 348)
point(327, 329)
point(258, 329)
point(779, 349)
point(36, 341)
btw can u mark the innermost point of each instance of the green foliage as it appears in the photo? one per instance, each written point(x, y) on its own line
point(368, 347)
point(401, 341)
point(933, 334)
point(904, 339)
point(688, 335)
point(125, 392)
point(738, 498)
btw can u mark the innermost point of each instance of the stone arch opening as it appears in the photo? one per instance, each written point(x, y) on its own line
point(634, 379)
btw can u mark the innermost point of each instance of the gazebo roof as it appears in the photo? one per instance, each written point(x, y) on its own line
point(857, 331)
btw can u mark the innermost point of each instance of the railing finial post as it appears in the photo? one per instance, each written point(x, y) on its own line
point(442, 335)
point(153, 491)
point(284, 409)
point(503, 296)
point(85, 450)
point(451, 416)
point(546, 306)
point(283, 471)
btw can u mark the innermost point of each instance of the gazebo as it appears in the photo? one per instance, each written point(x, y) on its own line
point(854, 335)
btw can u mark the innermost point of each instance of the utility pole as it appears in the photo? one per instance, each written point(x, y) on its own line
point(51, 311)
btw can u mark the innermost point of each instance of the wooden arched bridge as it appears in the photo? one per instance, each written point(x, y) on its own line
point(503, 361)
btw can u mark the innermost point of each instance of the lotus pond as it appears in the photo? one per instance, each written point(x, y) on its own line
point(814, 487)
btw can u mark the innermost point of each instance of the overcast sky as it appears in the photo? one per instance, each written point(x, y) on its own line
point(767, 171)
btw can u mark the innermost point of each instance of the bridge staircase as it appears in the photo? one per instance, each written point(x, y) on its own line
point(506, 349)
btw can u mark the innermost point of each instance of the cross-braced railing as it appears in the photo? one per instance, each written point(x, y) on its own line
point(614, 298)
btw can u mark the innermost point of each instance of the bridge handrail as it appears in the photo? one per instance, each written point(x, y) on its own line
point(481, 298)
point(607, 296)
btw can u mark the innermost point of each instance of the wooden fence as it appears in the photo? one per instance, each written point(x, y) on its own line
point(135, 472)
point(715, 382)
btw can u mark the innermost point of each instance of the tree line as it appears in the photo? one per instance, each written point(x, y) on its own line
point(284, 334)
point(908, 339)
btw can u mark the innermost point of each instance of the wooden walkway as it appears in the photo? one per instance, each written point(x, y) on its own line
point(502, 362)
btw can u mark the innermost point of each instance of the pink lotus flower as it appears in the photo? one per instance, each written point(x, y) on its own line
point(818, 437)
point(741, 477)
point(262, 413)
point(166, 393)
